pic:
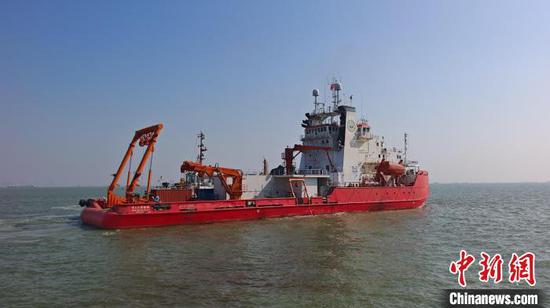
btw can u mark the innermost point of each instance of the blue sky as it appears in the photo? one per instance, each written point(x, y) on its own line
point(468, 80)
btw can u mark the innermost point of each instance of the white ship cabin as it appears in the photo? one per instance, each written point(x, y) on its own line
point(338, 149)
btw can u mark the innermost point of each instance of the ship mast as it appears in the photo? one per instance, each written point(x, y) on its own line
point(315, 94)
point(201, 146)
point(335, 87)
point(405, 148)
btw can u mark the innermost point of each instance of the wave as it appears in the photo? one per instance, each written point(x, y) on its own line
point(26, 222)
point(72, 207)
point(6, 225)
point(110, 233)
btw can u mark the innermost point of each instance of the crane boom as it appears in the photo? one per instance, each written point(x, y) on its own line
point(234, 190)
point(146, 137)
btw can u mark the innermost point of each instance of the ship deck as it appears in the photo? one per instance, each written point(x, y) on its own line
point(341, 199)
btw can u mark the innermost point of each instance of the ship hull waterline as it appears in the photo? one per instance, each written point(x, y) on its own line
point(341, 200)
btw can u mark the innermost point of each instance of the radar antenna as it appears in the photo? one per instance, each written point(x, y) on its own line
point(336, 87)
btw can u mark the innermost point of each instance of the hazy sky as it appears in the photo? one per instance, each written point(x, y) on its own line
point(468, 80)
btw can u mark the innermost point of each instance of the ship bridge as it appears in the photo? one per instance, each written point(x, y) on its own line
point(354, 149)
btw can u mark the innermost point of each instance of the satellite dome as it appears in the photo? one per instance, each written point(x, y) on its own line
point(315, 92)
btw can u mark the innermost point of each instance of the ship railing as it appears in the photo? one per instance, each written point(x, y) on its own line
point(312, 172)
point(278, 171)
point(251, 172)
point(349, 184)
point(301, 172)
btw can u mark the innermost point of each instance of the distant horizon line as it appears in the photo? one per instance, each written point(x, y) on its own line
point(105, 186)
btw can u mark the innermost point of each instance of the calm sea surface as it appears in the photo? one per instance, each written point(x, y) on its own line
point(382, 259)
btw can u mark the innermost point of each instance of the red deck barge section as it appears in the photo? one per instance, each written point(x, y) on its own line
point(341, 199)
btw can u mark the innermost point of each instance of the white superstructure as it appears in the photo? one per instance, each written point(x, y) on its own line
point(337, 149)
point(355, 150)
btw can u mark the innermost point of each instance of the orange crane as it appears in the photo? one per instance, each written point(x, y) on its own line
point(146, 137)
point(234, 190)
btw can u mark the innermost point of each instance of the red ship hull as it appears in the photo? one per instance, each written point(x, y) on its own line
point(340, 200)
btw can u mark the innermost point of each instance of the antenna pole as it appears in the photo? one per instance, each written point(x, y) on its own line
point(315, 94)
point(315, 103)
point(362, 103)
point(405, 148)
